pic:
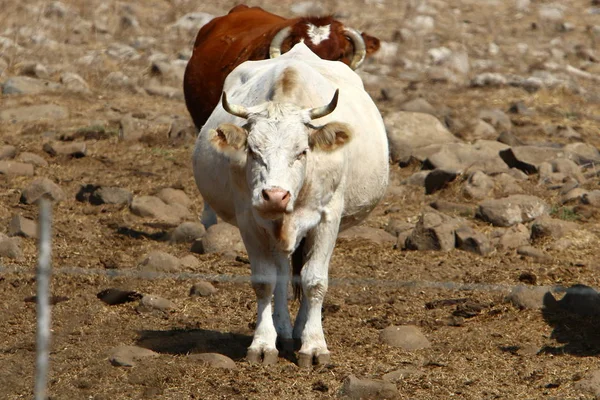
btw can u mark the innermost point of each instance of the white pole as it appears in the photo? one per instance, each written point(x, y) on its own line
point(43, 300)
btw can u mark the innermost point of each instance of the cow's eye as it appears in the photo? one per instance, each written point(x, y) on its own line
point(301, 155)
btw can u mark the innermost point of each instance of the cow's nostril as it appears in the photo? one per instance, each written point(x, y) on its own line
point(265, 195)
point(285, 196)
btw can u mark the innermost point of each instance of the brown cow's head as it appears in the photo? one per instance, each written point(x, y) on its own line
point(327, 38)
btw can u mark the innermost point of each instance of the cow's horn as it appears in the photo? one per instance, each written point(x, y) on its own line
point(275, 47)
point(320, 112)
point(360, 50)
point(234, 109)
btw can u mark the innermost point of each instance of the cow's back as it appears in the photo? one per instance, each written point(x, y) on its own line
point(367, 154)
point(221, 45)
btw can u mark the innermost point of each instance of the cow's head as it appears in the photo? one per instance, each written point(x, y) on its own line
point(275, 146)
point(327, 38)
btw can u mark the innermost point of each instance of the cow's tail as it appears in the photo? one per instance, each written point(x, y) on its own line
point(297, 264)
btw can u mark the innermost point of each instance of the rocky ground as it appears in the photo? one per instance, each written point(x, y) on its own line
point(472, 279)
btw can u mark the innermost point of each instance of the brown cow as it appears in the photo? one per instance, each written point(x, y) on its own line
point(251, 33)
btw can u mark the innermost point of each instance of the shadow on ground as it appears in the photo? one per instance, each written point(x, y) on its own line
point(194, 341)
point(576, 321)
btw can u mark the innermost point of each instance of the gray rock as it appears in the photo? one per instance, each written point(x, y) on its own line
point(151, 302)
point(72, 149)
point(15, 168)
point(458, 157)
point(42, 187)
point(448, 207)
point(482, 130)
point(400, 374)
point(438, 179)
point(10, 247)
point(418, 105)
point(74, 82)
point(174, 196)
point(127, 356)
point(512, 210)
point(507, 184)
point(7, 152)
point(395, 227)
point(407, 337)
point(219, 238)
point(28, 85)
point(366, 233)
point(434, 231)
point(407, 131)
point(354, 388)
point(529, 158)
point(118, 80)
point(182, 131)
point(31, 158)
point(511, 238)
point(568, 168)
point(528, 297)
point(159, 261)
point(131, 129)
point(489, 79)
point(590, 383)
point(34, 69)
point(536, 254)
point(34, 113)
point(203, 289)
point(591, 198)
point(468, 239)
point(583, 153)
point(478, 186)
point(417, 179)
point(546, 226)
point(168, 92)
point(190, 262)
point(214, 360)
point(153, 207)
point(21, 226)
point(497, 118)
point(112, 195)
point(508, 138)
point(187, 232)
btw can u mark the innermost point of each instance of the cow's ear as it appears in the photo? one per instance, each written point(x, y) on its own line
point(228, 138)
point(372, 44)
point(330, 137)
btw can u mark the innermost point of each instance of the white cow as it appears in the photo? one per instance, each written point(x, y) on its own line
point(290, 166)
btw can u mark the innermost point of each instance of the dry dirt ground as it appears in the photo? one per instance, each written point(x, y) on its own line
point(488, 350)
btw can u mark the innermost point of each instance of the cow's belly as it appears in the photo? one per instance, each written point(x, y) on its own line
point(211, 172)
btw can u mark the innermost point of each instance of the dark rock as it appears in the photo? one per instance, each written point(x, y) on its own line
point(437, 180)
point(114, 296)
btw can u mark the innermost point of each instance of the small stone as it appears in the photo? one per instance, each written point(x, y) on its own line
point(7, 152)
point(448, 207)
point(214, 360)
point(354, 388)
point(28, 85)
point(573, 195)
point(31, 158)
point(483, 130)
point(182, 131)
point(434, 231)
point(21, 226)
point(174, 196)
point(74, 82)
point(127, 356)
point(591, 198)
point(151, 302)
point(516, 236)
point(114, 296)
point(497, 118)
point(219, 238)
point(187, 232)
point(34, 113)
point(98, 195)
point(528, 297)
point(159, 261)
point(190, 262)
point(407, 337)
point(203, 289)
point(470, 240)
point(536, 254)
point(418, 105)
point(400, 374)
point(438, 179)
point(590, 383)
point(546, 226)
point(529, 158)
point(509, 139)
point(73, 149)
point(15, 168)
point(512, 210)
point(42, 187)
point(10, 248)
point(131, 129)
point(153, 207)
point(478, 186)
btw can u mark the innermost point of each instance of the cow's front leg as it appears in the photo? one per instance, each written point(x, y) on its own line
point(264, 280)
point(314, 277)
point(281, 316)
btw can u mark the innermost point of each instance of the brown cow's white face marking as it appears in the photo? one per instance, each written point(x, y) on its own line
point(317, 34)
